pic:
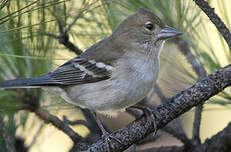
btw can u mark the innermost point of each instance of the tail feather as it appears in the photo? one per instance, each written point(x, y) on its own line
point(27, 82)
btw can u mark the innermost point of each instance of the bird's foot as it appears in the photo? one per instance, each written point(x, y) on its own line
point(149, 115)
point(106, 136)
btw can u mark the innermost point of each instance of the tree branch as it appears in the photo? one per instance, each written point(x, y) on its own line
point(200, 71)
point(201, 91)
point(197, 66)
point(175, 129)
point(90, 122)
point(32, 104)
point(64, 39)
point(220, 142)
point(160, 93)
point(55, 121)
point(221, 27)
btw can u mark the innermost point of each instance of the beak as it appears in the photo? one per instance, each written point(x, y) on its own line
point(168, 32)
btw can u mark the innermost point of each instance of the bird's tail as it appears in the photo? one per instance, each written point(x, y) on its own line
point(26, 82)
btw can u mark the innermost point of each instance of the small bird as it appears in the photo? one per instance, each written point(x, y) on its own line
point(113, 74)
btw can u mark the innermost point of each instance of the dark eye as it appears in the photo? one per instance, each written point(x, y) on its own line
point(149, 26)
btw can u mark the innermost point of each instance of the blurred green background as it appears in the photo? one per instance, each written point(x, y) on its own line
point(27, 51)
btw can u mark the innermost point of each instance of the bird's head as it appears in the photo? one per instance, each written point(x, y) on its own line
point(144, 28)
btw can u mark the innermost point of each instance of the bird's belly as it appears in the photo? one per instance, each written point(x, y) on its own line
point(114, 94)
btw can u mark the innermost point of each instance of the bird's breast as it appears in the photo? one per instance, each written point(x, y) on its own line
point(135, 77)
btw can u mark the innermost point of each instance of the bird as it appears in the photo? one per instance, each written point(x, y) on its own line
point(114, 73)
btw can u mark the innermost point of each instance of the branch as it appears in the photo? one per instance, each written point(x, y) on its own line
point(220, 142)
point(32, 104)
point(197, 66)
point(89, 122)
point(221, 27)
point(64, 39)
point(55, 121)
point(201, 91)
point(200, 71)
point(160, 93)
point(197, 123)
point(63, 36)
point(175, 129)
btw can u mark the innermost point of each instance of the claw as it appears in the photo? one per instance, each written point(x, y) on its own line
point(106, 135)
point(149, 115)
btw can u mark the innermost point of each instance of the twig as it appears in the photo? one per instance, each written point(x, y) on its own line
point(55, 121)
point(201, 91)
point(200, 71)
point(64, 39)
point(81, 11)
point(196, 63)
point(32, 104)
point(159, 92)
point(20, 145)
point(175, 129)
point(221, 27)
point(90, 123)
point(197, 124)
point(63, 36)
point(88, 8)
point(220, 142)
point(7, 139)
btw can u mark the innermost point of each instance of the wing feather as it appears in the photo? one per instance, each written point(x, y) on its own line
point(79, 71)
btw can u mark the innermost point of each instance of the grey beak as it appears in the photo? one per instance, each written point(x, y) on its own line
point(168, 32)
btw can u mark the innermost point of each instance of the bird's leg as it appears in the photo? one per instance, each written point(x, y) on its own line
point(106, 135)
point(148, 113)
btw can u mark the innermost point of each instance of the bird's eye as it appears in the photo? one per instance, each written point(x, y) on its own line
point(149, 26)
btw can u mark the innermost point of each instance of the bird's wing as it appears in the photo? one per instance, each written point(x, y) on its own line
point(79, 71)
point(76, 71)
point(93, 65)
